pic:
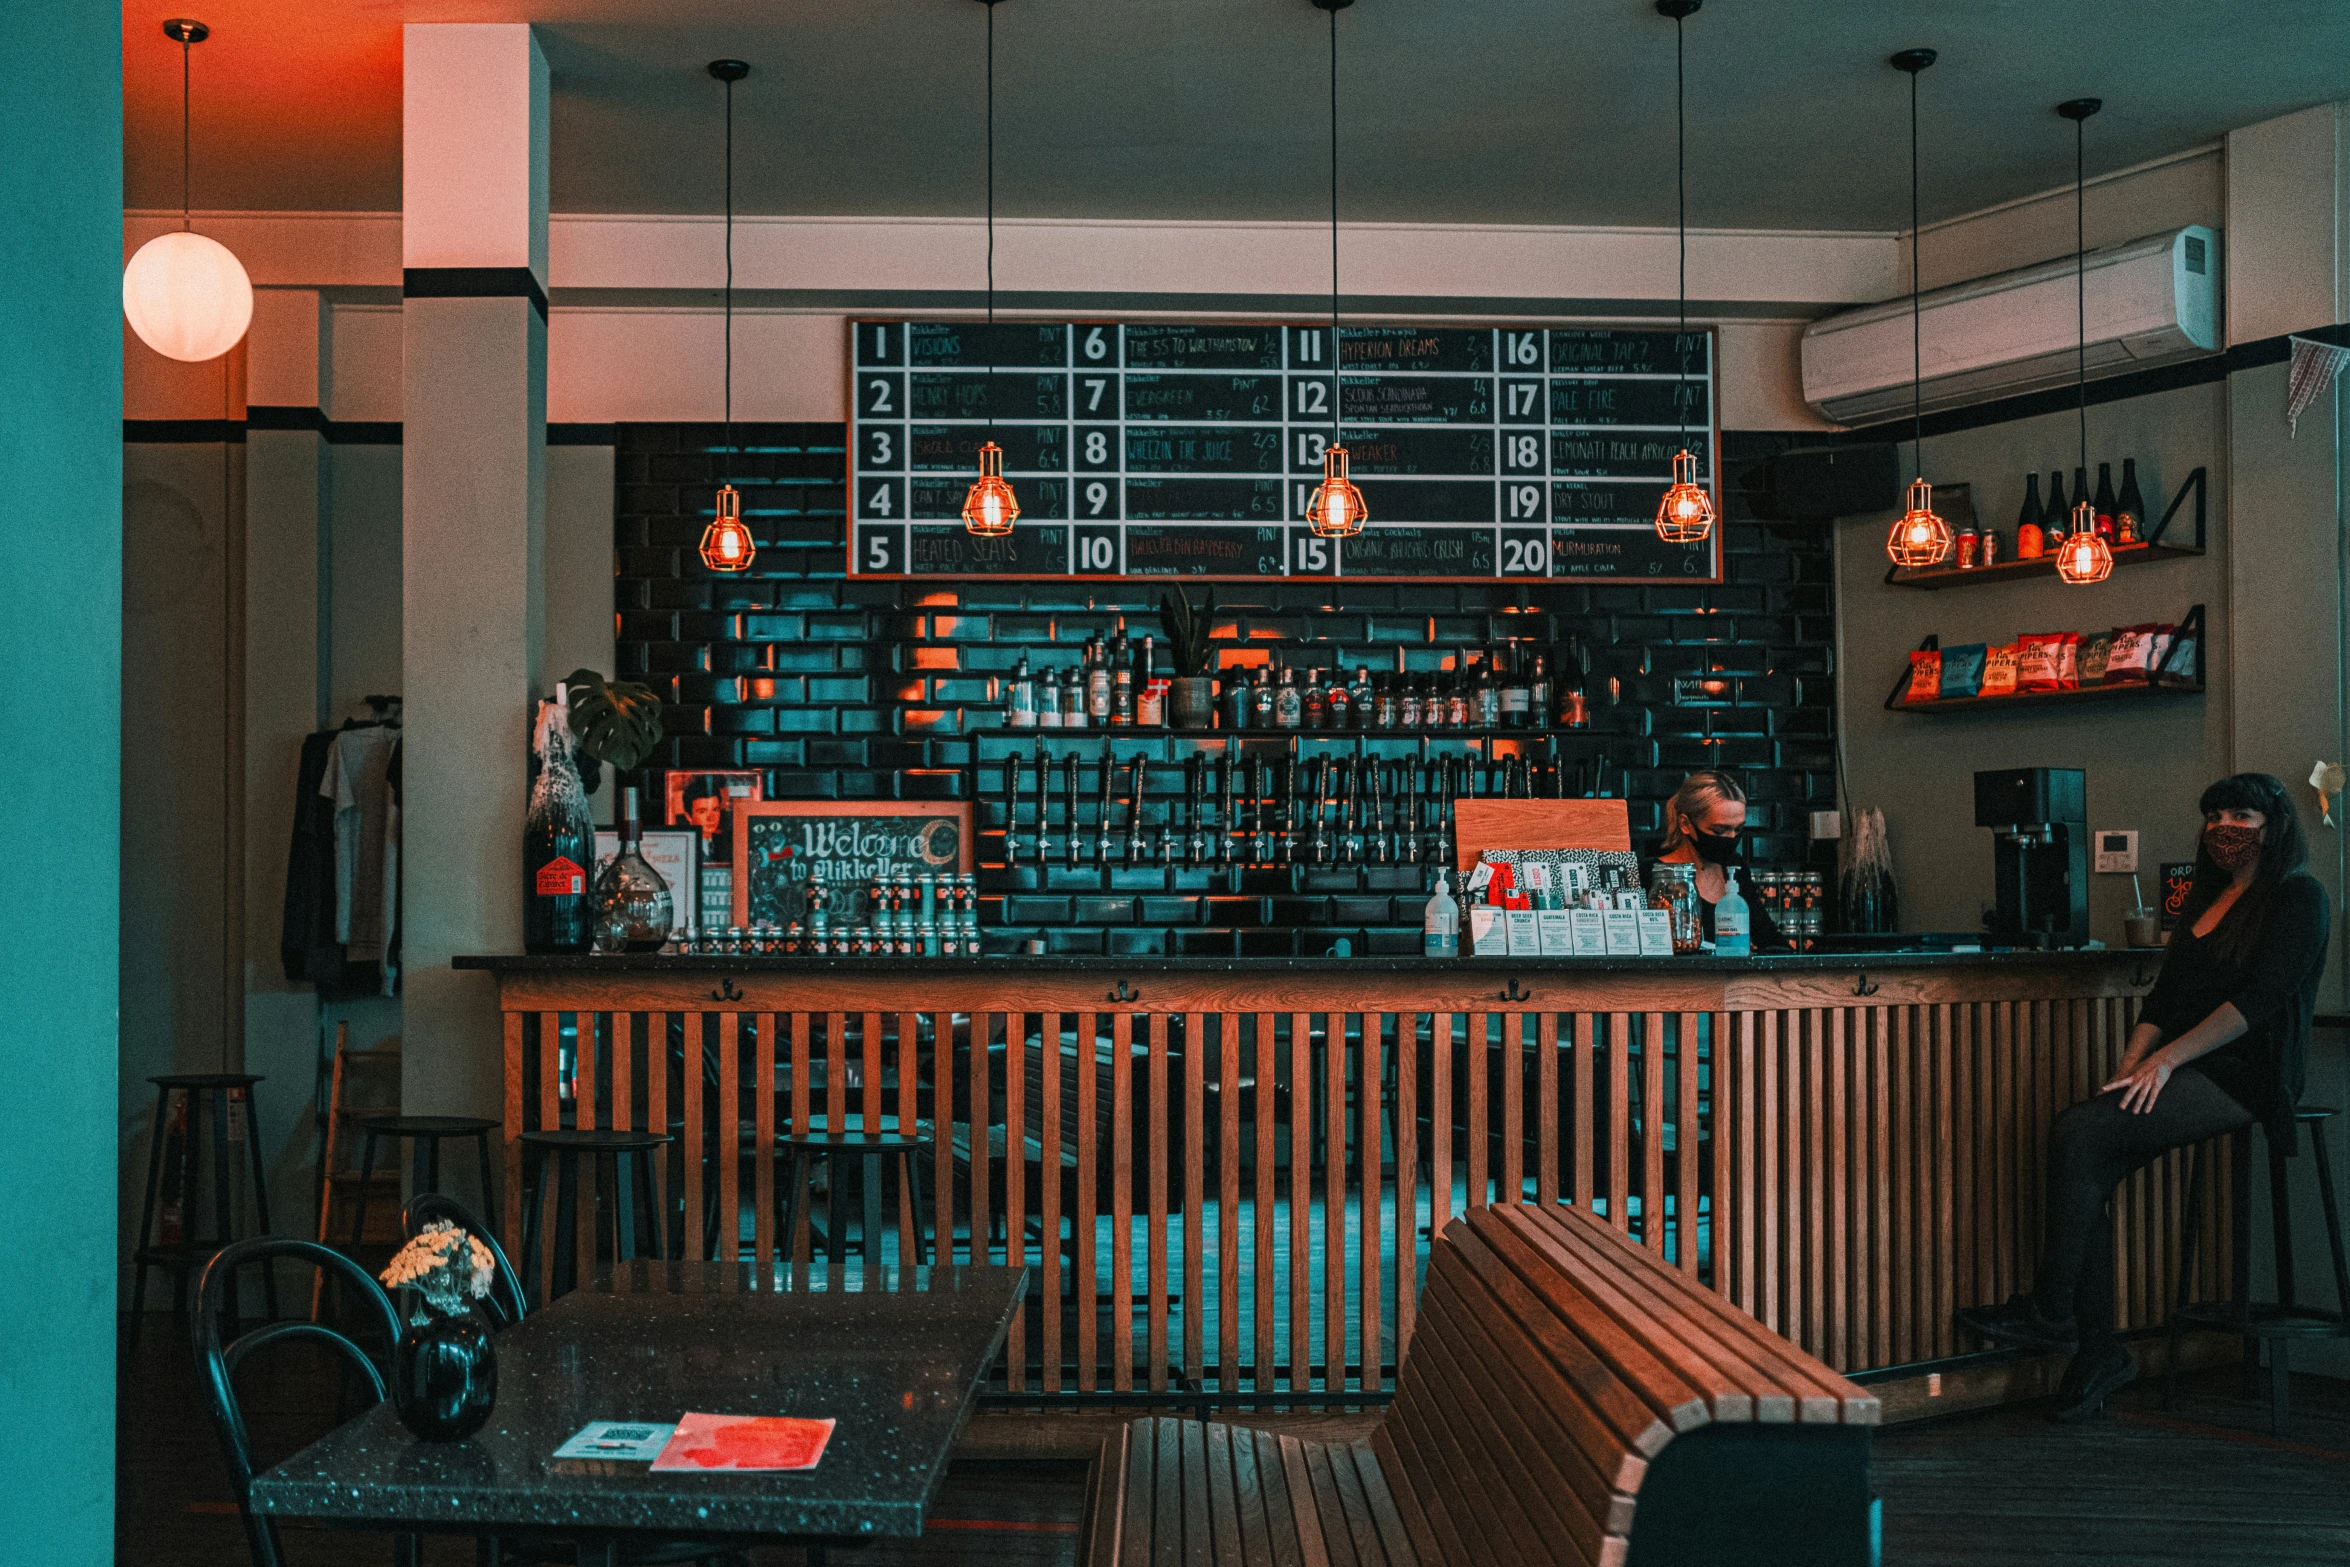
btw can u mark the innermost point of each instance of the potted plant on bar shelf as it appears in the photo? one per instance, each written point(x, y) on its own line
point(445, 1367)
point(1191, 695)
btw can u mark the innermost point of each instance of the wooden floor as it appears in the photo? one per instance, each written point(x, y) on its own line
point(2202, 1486)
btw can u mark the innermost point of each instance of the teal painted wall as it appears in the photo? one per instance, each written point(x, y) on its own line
point(60, 636)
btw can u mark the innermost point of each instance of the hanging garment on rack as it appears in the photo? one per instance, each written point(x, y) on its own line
point(306, 939)
point(341, 929)
point(367, 840)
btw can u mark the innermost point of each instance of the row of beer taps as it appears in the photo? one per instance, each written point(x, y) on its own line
point(1257, 811)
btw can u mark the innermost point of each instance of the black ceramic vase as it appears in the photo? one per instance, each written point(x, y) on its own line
point(445, 1376)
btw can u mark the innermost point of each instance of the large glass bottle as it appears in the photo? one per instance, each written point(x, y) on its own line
point(2105, 502)
point(558, 843)
point(633, 907)
point(2056, 517)
point(2129, 516)
point(2027, 521)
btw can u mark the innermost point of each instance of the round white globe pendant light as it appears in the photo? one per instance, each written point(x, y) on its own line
point(185, 295)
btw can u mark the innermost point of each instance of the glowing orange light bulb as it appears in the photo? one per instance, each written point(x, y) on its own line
point(1919, 537)
point(726, 543)
point(990, 509)
point(1336, 508)
point(1686, 513)
point(2083, 558)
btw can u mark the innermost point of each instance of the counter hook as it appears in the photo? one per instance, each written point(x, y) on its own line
point(1862, 985)
point(726, 991)
point(1513, 993)
point(2140, 980)
point(1125, 992)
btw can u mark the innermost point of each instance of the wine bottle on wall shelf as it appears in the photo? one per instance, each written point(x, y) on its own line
point(2105, 502)
point(2028, 521)
point(558, 842)
point(2129, 512)
point(1121, 679)
point(1150, 705)
point(2057, 517)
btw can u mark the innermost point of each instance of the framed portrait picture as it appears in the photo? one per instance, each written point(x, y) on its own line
point(702, 800)
point(675, 852)
point(781, 846)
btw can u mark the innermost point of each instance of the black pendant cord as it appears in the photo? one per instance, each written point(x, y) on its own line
point(1917, 350)
point(1681, 191)
point(991, 220)
point(1334, 357)
point(729, 394)
point(186, 207)
point(2081, 280)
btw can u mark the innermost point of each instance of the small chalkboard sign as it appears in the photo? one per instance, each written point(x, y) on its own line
point(781, 846)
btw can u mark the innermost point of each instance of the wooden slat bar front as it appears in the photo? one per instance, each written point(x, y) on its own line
point(1228, 1172)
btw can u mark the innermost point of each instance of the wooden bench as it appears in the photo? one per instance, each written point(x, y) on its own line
point(1566, 1398)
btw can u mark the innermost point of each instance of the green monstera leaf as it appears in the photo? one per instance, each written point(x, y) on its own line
point(618, 722)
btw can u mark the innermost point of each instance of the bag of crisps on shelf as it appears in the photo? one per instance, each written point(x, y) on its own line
point(2137, 650)
point(1962, 669)
point(1925, 677)
point(1999, 669)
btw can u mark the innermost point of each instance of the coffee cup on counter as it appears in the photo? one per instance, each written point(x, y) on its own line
point(2143, 930)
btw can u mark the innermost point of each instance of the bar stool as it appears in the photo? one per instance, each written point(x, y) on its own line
point(872, 1151)
point(602, 1150)
point(426, 1131)
point(188, 1255)
point(2278, 1322)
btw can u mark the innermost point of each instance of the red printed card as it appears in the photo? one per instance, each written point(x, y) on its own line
point(744, 1443)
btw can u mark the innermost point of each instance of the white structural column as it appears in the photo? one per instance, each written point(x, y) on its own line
point(473, 506)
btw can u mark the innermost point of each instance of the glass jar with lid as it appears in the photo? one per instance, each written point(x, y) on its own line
point(1673, 888)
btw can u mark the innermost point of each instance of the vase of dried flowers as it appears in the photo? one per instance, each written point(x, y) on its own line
point(445, 1367)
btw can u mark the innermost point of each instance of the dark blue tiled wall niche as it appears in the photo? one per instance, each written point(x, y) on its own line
point(841, 689)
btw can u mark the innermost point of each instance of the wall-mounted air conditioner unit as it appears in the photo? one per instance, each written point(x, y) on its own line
point(2150, 302)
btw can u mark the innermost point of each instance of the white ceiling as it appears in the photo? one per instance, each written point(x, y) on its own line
point(1461, 111)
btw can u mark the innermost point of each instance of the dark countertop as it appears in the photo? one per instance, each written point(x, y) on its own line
point(898, 1368)
point(653, 963)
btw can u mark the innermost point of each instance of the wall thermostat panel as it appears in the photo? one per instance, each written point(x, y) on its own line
point(2117, 851)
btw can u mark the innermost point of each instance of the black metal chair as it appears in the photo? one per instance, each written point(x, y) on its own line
point(2274, 1323)
point(185, 1257)
point(218, 1363)
point(505, 1302)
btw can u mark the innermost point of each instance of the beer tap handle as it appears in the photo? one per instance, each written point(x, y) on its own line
point(1195, 804)
point(1069, 789)
point(1350, 821)
point(1137, 846)
point(1408, 840)
point(1258, 849)
point(1225, 823)
point(1101, 836)
point(1011, 811)
point(1375, 815)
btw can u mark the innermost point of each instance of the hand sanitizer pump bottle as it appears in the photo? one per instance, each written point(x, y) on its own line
point(1733, 929)
point(1440, 929)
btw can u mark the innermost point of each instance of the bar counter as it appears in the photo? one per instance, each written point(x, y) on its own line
point(1216, 1164)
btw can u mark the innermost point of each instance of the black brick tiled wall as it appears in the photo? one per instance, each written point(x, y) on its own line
point(841, 689)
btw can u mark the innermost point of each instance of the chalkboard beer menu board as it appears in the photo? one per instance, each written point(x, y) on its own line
point(1178, 449)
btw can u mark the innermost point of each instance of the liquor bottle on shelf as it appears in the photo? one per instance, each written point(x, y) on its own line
point(1458, 713)
point(1361, 701)
point(1238, 701)
point(1150, 697)
point(1387, 701)
point(2027, 521)
point(1517, 693)
point(1050, 702)
point(1021, 713)
point(1289, 703)
point(2057, 517)
point(2129, 511)
point(558, 842)
point(1264, 702)
point(1338, 702)
point(1485, 696)
point(1313, 703)
point(1097, 684)
point(2105, 503)
point(1121, 680)
point(633, 907)
point(1408, 703)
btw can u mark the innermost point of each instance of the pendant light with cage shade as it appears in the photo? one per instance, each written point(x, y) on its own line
point(1920, 537)
point(2084, 557)
point(727, 544)
point(990, 508)
point(1685, 514)
point(184, 294)
point(1335, 510)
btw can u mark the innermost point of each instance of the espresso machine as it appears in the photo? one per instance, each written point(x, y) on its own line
point(2039, 821)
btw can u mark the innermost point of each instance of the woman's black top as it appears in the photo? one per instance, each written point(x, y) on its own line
point(2274, 986)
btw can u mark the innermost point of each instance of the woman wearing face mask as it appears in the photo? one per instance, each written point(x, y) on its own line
point(2222, 1042)
point(1704, 825)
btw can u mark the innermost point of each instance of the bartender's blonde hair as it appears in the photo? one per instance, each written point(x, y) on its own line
point(1697, 791)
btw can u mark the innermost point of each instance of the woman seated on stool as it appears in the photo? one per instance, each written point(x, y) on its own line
point(2222, 1042)
point(1703, 823)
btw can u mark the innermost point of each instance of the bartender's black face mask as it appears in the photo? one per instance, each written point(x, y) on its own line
point(1718, 848)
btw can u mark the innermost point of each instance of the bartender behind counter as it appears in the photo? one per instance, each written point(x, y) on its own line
point(1705, 821)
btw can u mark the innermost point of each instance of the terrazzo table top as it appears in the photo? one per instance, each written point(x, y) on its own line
point(898, 1365)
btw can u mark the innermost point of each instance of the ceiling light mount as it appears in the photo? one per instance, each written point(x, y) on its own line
point(1678, 9)
point(729, 71)
point(2079, 108)
point(1332, 5)
point(186, 30)
point(1913, 60)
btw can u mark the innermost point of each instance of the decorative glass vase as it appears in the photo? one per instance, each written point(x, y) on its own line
point(633, 911)
point(444, 1375)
